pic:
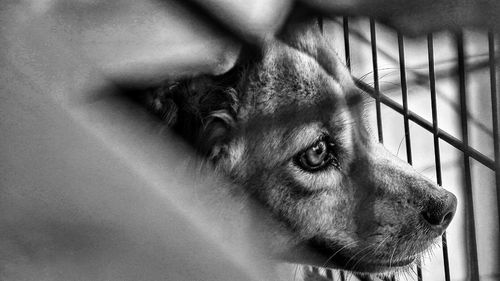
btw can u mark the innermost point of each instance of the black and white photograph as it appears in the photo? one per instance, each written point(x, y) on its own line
point(264, 140)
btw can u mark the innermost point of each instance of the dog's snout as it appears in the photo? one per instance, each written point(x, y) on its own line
point(438, 214)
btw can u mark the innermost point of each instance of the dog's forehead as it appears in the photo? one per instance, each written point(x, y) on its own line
point(287, 76)
point(294, 73)
point(306, 38)
point(289, 89)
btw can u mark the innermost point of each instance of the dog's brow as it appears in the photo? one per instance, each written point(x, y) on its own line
point(304, 136)
point(294, 115)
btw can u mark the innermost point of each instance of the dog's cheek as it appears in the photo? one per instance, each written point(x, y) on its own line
point(326, 214)
point(234, 162)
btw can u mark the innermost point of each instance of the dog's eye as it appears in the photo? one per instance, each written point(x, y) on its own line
point(316, 157)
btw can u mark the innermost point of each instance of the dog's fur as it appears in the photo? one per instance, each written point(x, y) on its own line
point(365, 212)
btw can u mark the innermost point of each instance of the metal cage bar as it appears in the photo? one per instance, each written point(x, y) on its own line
point(471, 247)
point(347, 48)
point(494, 113)
point(329, 274)
point(345, 26)
point(404, 93)
point(459, 71)
point(437, 151)
point(342, 276)
point(467, 150)
point(373, 37)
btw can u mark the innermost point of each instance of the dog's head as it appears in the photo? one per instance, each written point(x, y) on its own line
point(287, 125)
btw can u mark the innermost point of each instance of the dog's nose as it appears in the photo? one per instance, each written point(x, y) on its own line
point(439, 214)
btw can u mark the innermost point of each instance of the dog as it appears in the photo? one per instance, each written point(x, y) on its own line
point(286, 123)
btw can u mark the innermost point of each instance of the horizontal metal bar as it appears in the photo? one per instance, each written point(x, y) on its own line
point(469, 151)
point(421, 79)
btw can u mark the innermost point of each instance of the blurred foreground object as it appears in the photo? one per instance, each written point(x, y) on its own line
point(145, 42)
point(89, 190)
point(128, 41)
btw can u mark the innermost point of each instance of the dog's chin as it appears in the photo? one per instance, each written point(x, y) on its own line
point(323, 257)
point(377, 266)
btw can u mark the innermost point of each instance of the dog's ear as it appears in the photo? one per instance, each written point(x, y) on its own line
point(201, 110)
point(218, 121)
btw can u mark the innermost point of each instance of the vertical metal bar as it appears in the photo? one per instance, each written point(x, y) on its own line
point(345, 24)
point(320, 24)
point(419, 269)
point(373, 38)
point(342, 276)
point(473, 268)
point(494, 111)
point(435, 131)
point(404, 92)
point(329, 274)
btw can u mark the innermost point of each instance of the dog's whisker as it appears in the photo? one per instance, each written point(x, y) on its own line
point(361, 259)
point(354, 256)
point(371, 253)
point(399, 146)
point(338, 251)
point(367, 248)
point(393, 252)
point(380, 244)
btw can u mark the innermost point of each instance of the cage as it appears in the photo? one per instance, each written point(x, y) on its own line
point(438, 96)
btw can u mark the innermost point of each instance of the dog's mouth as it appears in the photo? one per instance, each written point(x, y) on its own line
point(377, 266)
point(363, 263)
point(360, 262)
